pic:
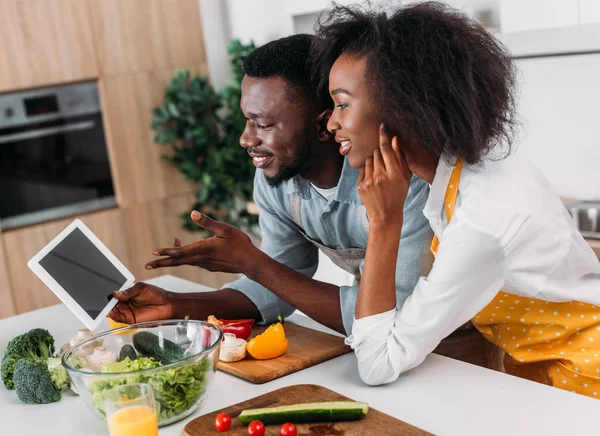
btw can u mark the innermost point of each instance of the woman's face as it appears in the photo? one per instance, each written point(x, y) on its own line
point(354, 121)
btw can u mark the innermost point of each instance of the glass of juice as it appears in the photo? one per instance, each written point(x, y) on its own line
point(130, 411)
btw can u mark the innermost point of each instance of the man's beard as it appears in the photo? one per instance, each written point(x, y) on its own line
point(291, 167)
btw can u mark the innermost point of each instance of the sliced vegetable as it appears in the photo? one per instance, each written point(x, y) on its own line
point(127, 351)
point(241, 328)
point(82, 336)
point(272, 343)
point(161, 349)
point(288, 429)
point(256, 428)
point(232, 349)
point(101, 356)
point(223, 422)
point(308, 412)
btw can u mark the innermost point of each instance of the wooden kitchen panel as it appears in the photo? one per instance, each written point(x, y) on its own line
point(29, 291)
point(140, 173)
point(7, 302)
point(144, 35)
point(45, 42)
point(154, 225)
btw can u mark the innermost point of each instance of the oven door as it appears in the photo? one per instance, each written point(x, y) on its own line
point(53, 169)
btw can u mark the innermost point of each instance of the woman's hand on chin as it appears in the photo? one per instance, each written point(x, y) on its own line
point(383, 183)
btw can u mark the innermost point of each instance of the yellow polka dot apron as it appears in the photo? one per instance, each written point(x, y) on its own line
point(557, 344)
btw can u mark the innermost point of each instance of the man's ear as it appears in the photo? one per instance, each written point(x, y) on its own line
point(322, 133)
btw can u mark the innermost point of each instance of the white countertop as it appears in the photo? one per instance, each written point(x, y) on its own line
point(443, 396)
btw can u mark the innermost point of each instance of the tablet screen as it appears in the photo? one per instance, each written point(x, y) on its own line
point(84, 272)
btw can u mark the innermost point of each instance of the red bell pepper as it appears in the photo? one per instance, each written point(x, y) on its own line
point(241, 328)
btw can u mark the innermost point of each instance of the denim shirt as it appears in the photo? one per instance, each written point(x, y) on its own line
point(336, 223)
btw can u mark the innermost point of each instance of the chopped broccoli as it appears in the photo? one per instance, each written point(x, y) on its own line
point(39, 381)
point(36, 343)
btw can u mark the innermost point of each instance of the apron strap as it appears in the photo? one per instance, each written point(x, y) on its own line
point(296, 210)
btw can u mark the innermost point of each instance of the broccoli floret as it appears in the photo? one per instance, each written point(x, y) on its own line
point(36, 343)
point(58, 372)
point(34, 381)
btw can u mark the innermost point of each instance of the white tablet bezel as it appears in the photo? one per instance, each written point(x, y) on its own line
point(60, 292)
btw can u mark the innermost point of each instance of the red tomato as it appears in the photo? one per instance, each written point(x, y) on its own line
point(222, 422)
point(256, 428)
point(288, 429)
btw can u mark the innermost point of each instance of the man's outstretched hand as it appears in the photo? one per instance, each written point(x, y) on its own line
point(229, 250)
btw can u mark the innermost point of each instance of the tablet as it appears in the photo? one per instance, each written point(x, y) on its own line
point(82, 272)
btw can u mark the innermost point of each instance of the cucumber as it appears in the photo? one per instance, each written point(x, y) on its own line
point(308, 412)
point(127, 351)
point(160, 349)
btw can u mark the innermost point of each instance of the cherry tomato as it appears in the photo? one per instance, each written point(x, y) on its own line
point(288, 429)
point(256, 428)
point(222, 422)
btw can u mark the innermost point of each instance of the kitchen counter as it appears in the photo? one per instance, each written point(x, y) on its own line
point(443, 396)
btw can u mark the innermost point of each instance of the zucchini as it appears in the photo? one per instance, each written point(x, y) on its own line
point(160, 349)
point(308, 412)
point(127, 351)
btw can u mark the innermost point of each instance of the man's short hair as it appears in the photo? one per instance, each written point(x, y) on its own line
point(289, 58)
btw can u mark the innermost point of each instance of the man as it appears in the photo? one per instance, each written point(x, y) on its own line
point(307, 195)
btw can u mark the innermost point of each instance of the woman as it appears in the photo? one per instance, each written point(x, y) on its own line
point(507, 257)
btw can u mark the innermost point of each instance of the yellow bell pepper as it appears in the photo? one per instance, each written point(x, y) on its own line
point(272, 343)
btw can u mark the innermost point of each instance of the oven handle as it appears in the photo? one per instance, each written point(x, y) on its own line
point(83, 125)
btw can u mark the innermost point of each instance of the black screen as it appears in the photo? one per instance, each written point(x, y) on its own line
point(83, 271)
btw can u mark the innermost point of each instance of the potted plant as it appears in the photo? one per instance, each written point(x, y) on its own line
point(202, 128)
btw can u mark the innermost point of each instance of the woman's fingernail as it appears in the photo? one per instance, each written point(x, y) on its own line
point(196, 215)
point(148, 267)
point(156, 253)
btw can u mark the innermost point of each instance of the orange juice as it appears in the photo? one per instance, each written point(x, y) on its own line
point(134, 421)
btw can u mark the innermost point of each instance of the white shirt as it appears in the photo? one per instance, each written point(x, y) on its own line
point(326, 193)
point(509, 231)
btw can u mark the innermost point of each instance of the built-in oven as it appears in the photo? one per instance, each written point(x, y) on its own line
point(53, 156)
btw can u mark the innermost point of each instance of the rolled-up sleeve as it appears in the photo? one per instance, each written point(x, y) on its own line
point(468, 272)
point(414, 256)
point(282, 241)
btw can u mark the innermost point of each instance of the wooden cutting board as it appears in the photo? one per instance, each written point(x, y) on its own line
point(375, 423)
point(307, 347)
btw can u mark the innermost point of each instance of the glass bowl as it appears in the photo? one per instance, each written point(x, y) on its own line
point(178, 358)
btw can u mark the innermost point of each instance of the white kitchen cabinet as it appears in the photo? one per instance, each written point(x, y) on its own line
point(523, 15)
point(589, 11)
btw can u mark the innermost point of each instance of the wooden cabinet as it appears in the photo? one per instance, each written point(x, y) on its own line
point(143, 35)
point(7, 302)
point(155, 225)
point(45, 42)
point(140, 174)
point(29, 291)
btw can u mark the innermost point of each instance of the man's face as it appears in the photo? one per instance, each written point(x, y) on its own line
point(279, 128)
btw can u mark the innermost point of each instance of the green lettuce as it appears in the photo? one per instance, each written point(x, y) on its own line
point(176, 390)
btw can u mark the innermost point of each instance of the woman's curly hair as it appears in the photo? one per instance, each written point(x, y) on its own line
point(437, 76)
